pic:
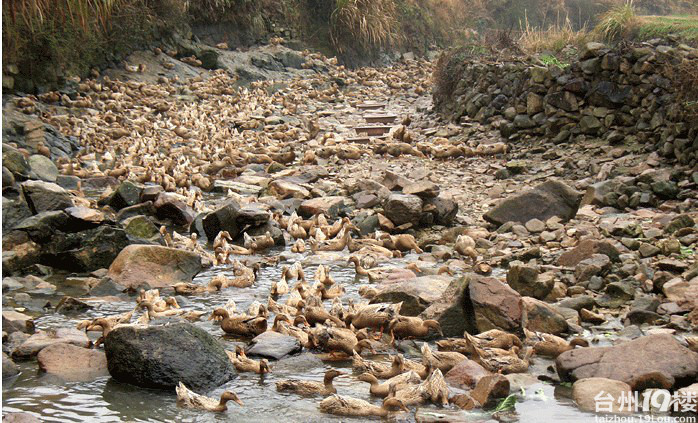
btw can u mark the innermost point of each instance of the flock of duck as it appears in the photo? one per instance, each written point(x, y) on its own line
point(347, 330)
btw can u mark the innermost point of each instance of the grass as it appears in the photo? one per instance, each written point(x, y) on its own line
point(367, 24)
point(616, 22)
point(684, 27)
point(550, 60)
point(552, 39)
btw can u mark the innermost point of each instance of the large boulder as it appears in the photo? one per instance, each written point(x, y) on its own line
point(127, 194)
point(174, 208)
point(416, 294)
point(14, 321)
point(153, 266)
point(44, 196)
point(494, 304)
point(274, 345)
point(329, 206)
point(162, 356)
point(449, 310)
point(466, 374)
point(591, 394)
point(42, 168)
point(40, 340)
point(403, 208)
point(526, 280)
point(539, 316)
point(631, 361)
point(224, 218)
point(551, 198)
point(70, 362)
point(85, 251)
point(443, 209)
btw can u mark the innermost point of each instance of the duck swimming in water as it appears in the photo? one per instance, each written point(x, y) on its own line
point(310, 388)
point(187, 398)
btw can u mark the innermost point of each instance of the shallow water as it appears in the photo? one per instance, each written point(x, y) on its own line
point(105, 400)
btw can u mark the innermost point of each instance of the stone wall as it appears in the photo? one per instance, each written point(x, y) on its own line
point(622, 94)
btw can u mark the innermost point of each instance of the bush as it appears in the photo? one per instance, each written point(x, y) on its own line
point(616, 22)
point(367, 24)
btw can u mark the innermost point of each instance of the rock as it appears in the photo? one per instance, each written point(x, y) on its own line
point(151, 193)
point(585, 249)
point(41, 167)
point(287, 189)
point(252, 215)
point(534, 103)
point(679, 222)
point(592, 394)
point(86, 250)
point(73, 363)
point(489, 388)
point(140, 227)
point(272, 227)
point(443, 209)
point(162, 356)
point(449, 310)
point(577, 303)
point(44, 338)
point(329, 206)
point(591, 49)
point(466, 374)
point(524, 280)
point(9, 368)
point(127, 194)
point(146, 209)
point(14, 211)
point(174, 208)
point(551, 198)
point(564, 100)
point(590, 125)
point(224, 218)
point(422, 189)
point(667, 190)
point(274, 345)
point(597, 264)
point(81, 218)
point(70, 305)
point(495, 305)
point(416, 294)
point(19, 418)
point(654, 353)
point(403, 208)
point(14, 161)
point(523, 122)
point(648, 250)
point(44, 196)
point(535, 226)
point(13, 321)
point(541, 317)
point(153, 266)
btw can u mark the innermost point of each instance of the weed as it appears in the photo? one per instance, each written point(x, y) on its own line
point(549, 60)
point(616, 22)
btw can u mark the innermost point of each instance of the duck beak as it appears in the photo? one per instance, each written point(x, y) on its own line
point(239, 401)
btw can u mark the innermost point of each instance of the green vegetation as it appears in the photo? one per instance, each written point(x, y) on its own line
point(684, 27)
point(506, 404)
point(549, 60)
point(616, 22)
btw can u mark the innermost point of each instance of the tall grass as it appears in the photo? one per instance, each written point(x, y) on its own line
point(367, 24)
point(553, 38)
point(616, 22)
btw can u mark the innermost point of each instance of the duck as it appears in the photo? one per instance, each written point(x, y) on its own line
point(311, 388)
point(442, 360)
point(433, 388)
point(374, 316)
point(549, 345)
point(338, 340)
point(501, 361)
point(184, 288)
point(382, 389)
point(381, 274)
point(279, 287)
point(187, 398)
point(243, 364)
point(322, 275)
point(241, 325)
point(692, 342)
point(298, 246)
point(412, 327)
point(465, 246)
point(401, 242)
point(168, 303)
point(336, 244)
point(277, 308)
point(367, 291)
point(328, 294)
point(258, 243)
point(493, 338)
point(317, 314)
point(294, 272)
point(152, 314)
point(282, 325)
point(348, 406)
point(379, 370)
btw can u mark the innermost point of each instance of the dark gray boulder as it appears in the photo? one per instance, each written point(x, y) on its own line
point(162, 356)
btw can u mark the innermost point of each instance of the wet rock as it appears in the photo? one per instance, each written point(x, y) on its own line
point(174, 208)
point(466, 374)
point(495, 305)
point(73, 363)
point(586, 391)
point(44, 196)
point(19, 418)
point(273, 345)
point(44, 338)
point(490, 388)
point(43, 226)
point(153, 266)
point(139, 209)
point(224, 218)
point(449, 310)
point(13, 321)
point(9, 368)
point(86, 250)
point(151, 193)
point(551, 198)
point(526, 281)
point(70, 305)
point(616, 294)
point(140, 227)
point(422, 189)
point(539, 316)
point(597, 264)
point(162, 356)
point(329, 206)
point(41, 167)
point(81, 218)
point(287, 189)
point(127, 194)
point(403, 208)
point(252, 215)
point(654, 353)
point(272, 227)
point(443, 209)
point(585, 249)
point(416, 294)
